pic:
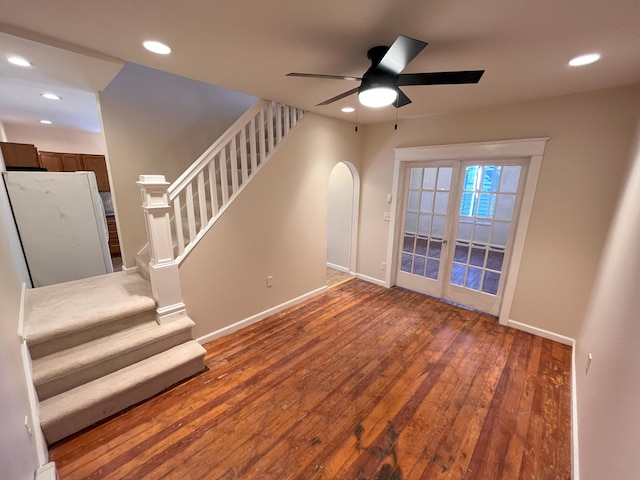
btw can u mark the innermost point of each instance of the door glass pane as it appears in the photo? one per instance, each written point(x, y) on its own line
point(442, 200)
point(419, 264)
point(504, 206)
point(426, 205)
point(421, 246)
point(432, 268)
point(510, 178)
point(424, 225)
point(481, 231)
point(407, 244)
point(437, 229)
point(435, 247)
point(406, 262)
point(411, 223)
point(490, 283)
point(457, 274)
point(415, 178)
point(494, 259)
point(429, 182)
point(500, 233)
point(461, 253)
point(477, 256)
point(413, 200)
point(464, 229)
point(444, 178)
point(474, 276)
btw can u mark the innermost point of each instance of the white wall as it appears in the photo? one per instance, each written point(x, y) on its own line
point(583, 170)
point(50, 138)
point(157, 123)
point(339, 216)
point(608, 397)
point(276, 227)
point(18, 454)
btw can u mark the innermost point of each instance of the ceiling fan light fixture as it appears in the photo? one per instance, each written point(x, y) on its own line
point(377, 97)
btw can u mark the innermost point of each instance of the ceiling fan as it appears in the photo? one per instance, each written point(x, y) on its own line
point(380, 83)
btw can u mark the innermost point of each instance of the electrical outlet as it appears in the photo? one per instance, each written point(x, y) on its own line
point(588, 364)
point(387, 216)
point(383, 266)
point(270, 281)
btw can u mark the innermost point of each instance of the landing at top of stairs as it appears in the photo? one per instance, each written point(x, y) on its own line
point(82, 304)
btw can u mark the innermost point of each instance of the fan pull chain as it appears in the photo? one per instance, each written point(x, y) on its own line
point(395, 127)
point(356, 118)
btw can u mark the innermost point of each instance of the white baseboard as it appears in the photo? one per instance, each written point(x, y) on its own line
point(556, 337)
point(575, 470)
point(369, 279)
point(338, 267)
point(129, 270)
point(259, 316)
point(47, 472)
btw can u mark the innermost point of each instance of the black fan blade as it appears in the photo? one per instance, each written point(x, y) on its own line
point(313, 75)
point(440, 78)
point(402, 99)
point(339, 97)
point(403, 50)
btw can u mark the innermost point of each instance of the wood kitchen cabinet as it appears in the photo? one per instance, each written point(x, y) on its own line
point(51, 161)
point(98, 165)
point(19, 155)
point(114, 246)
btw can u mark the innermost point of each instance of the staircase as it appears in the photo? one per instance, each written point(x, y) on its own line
point(97, 349)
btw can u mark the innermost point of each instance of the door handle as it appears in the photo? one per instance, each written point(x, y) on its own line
point(444, 243)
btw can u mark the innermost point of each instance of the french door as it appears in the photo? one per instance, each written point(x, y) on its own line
point(457, 229)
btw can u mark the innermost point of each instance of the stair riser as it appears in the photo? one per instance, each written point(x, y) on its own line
point(67, 425)
point(78, 337)
point(110, 363)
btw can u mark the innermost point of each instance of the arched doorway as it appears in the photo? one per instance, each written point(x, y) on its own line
point(343, 197)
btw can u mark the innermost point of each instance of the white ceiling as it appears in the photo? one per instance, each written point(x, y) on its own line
point(249, 45)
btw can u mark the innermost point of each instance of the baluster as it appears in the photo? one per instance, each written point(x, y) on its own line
point(191, 214)
point(224, 182)
point(279, 122)
point(252, 145)
point(270, 120)
point(177, 220)
point(234, 164)
point(213, 187)
point(287, 119)
point(243, 154)
point(202, 201)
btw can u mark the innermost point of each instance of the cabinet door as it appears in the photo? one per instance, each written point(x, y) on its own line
point(98, 165)
point(19, 154)
point(51, 161)
point(71, 162)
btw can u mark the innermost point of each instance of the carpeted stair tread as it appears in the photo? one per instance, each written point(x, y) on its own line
point(73, 410)
point(55, 310)
point(73, 366)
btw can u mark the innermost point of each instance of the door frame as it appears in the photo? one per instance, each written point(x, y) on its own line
point(531, 150)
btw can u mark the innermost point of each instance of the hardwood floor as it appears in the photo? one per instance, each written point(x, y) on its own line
point(359, 383)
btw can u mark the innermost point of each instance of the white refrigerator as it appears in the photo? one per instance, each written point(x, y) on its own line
point(61, 223)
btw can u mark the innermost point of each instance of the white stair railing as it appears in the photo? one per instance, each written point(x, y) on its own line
point(179, 215)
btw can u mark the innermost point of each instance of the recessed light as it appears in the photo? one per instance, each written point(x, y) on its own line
point(348, 109)
point(584, 59)
point(51, 96)
point(19, 61)
point(46, 122)
point(157, 47)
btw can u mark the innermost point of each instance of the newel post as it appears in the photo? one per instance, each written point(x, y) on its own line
point(163, 269)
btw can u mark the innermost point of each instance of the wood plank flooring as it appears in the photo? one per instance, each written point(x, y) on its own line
point(360, 383)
